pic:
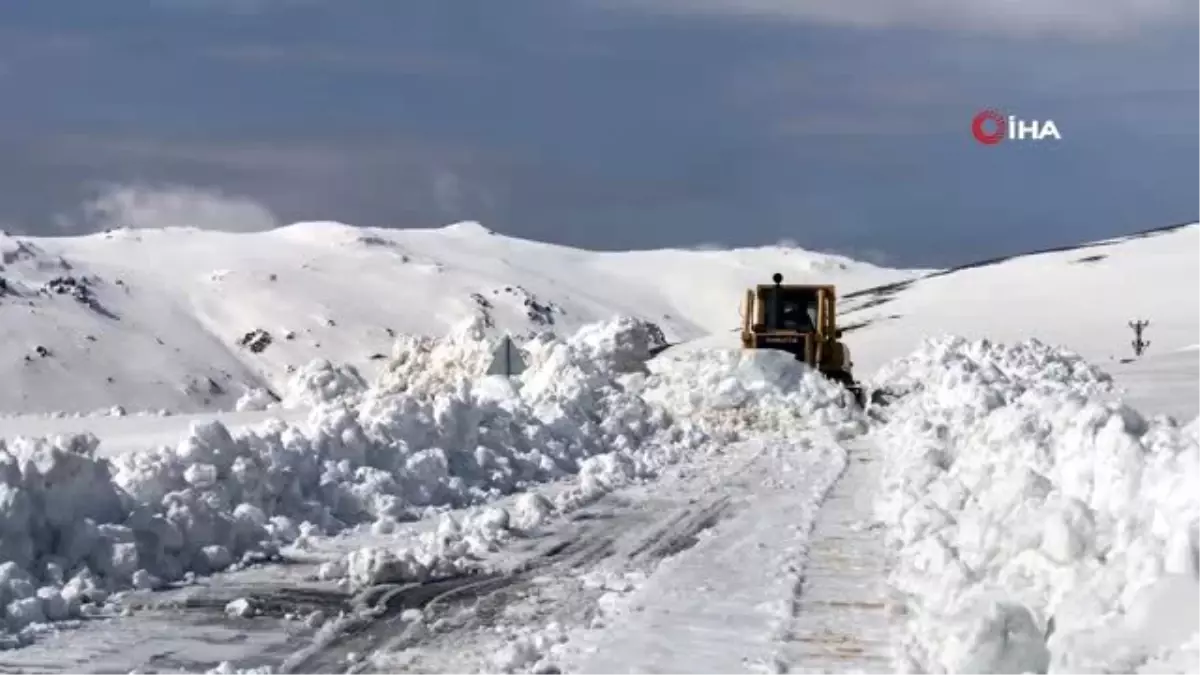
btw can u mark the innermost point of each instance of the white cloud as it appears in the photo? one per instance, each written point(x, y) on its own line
point(144, 206)
point(448, 191)
point(1093, 18)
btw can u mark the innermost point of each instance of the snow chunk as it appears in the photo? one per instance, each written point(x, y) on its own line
point(255, 399)
point(322, 382)
point(240, 608)
point(622, 346)
point(424, 367)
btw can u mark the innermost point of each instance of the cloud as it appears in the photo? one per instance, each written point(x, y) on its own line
point(366, 179)
point(448, 191)
point(144, 206)
point(1085, 18)
point(458, 196)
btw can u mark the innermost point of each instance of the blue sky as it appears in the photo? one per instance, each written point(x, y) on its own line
point(609, 123)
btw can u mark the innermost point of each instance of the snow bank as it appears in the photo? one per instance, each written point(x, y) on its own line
point(432, 434)
point(69, 535)
point(1037, 523)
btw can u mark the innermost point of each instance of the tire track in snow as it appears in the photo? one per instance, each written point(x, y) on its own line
point(722, 605)
point(839, 621)
point(631, 529)
point(455, 614)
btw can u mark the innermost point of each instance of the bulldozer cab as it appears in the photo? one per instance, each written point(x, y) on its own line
point(791, 309)
point(778, 312)
point(795, 318)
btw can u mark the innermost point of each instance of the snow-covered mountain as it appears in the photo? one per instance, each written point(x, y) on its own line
point(187, 319)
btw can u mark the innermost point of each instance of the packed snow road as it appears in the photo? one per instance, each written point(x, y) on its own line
point(705, 545)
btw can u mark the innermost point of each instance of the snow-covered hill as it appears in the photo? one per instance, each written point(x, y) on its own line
point(1083, 297)
point(187, 320)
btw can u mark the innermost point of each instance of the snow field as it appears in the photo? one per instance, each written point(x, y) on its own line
point(1037, 523)
point(430, 435)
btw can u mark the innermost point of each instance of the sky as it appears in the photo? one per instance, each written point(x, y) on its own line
point(609, 124)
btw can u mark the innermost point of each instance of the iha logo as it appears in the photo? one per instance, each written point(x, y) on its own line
point(990, 127)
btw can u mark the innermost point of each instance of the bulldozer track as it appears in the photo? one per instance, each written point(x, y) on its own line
point(840, 620)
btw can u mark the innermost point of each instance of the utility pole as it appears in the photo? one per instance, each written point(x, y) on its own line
point(1139, 345)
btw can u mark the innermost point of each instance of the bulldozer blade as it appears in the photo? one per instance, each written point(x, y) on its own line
point(865, 399)
point(857, 392)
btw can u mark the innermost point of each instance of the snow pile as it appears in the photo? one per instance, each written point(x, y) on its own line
point(426, 367)
point(83, 527)
point(622, 346)
point(322, 382)
point(255, 399)
point(449, 550)
point(572, 413)
point(429, 366)
point(749, 392)
point(589, 408)
point(1037, 523)
point(69, 535)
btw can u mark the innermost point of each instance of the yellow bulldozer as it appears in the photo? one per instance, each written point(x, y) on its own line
point(800, 319)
